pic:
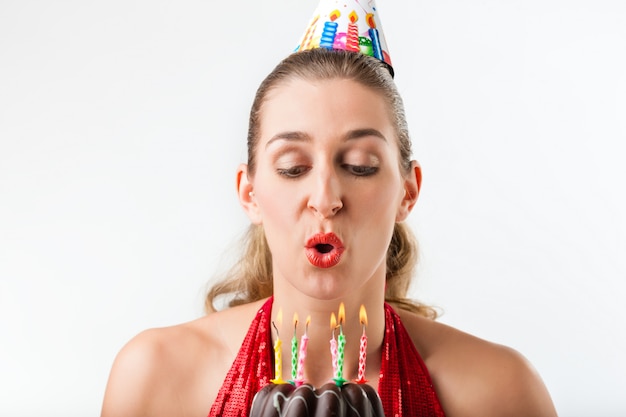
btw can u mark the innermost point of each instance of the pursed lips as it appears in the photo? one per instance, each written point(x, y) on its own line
point(324, 250)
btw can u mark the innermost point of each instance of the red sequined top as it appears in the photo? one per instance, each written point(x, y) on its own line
point(405, 387)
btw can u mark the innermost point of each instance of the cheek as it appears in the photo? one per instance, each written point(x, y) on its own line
point(277, 204)
point(381, 202)
point(274, 208)
point(279, 218)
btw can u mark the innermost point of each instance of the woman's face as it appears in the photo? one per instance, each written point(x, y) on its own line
point(328, 186)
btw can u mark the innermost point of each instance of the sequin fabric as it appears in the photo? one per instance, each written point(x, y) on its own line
point(405, 386)
point(250, 371)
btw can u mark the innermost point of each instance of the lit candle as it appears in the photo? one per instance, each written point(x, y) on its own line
point(278, 358)
point(304, 341)
point(373, 32)
point(352, 39)
point(329, 31)
point(341, 341)
point(333, 343)
point(294, 348)
point(362, 348)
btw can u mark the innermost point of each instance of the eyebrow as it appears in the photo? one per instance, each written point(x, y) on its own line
point(289, 136)
point(298, 136)
point(361, 133)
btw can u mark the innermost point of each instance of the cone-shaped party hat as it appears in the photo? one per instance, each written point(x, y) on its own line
point(350, 25)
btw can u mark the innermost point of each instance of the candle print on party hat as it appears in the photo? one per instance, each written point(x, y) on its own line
point(349, 25)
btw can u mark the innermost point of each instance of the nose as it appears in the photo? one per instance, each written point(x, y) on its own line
point(325, 198)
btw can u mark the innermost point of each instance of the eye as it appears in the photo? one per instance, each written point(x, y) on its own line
point(293, 172)
point(361, 170)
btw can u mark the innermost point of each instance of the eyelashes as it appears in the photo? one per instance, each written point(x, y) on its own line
point(355, 170)
point(360, 170)
point(293, 172)
point(354, 162)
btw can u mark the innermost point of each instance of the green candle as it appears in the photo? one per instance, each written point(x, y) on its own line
point(340, 351)
point(294, 349)
point(342, 345)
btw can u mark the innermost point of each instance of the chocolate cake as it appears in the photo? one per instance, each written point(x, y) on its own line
point(285, 400)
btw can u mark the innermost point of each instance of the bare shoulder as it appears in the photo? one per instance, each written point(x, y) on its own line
point(177, 370)
point(475, 377)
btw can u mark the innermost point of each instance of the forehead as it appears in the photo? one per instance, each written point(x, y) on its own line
point(323, 107)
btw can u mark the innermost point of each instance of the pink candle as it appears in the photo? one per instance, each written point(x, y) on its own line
point(304, 341)
point(352, 39)
point(363, 348)
point(333, 343)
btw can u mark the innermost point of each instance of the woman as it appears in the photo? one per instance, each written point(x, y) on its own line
point(328, 183)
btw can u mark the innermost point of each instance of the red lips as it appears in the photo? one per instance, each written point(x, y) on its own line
point(324, 250)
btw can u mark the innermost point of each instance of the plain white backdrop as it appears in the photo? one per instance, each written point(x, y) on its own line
point(122, 123)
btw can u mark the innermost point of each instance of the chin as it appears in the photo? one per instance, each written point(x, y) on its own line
point(330, 287)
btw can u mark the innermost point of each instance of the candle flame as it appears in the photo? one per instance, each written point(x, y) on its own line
point(353, 16)
point(295, 319)
point(333, 321)
point(370, 20)
point(279, 320)
point(363, 315)
point(279, 317)
point(334, 15)
point(341, 316)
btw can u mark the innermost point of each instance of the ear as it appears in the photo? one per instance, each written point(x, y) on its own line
point(412, 186)
point(245, 191)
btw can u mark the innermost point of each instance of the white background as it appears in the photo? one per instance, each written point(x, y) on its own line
point(122, 123)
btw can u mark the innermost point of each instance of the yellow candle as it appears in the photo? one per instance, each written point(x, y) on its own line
point(278, 362)
point(278, 354)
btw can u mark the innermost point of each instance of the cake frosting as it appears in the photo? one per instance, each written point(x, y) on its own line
point(348, 400)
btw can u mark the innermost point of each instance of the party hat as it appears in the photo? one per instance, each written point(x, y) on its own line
point(350, 25)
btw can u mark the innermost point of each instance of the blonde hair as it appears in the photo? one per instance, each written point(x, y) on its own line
point(250, 278)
